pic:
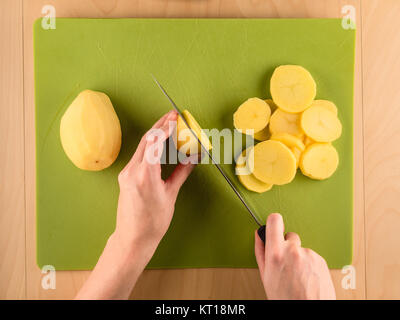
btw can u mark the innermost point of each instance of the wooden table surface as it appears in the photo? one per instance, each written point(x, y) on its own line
point(376, 143)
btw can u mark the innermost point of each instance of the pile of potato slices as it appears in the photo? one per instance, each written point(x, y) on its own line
point(293, 131)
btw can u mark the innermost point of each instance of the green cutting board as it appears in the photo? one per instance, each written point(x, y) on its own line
point(209, 66)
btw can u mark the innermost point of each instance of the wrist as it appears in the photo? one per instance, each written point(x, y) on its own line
point(132, 251)
point(116, 272)
point(143, 237)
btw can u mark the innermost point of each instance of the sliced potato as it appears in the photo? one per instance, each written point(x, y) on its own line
point(187, 142)
point(329, 105)
point(272, 162)
point(253, 114)
point(307, 141)
point(297, 155)
point(271, 104)
point(320, 124)
point(289, 140)
point(242, 157)
point(319, 161)
point(292, 88)
point(245, 177)
point(262, 135)
point(253, 184)
point(242, 162)
point(282, 121)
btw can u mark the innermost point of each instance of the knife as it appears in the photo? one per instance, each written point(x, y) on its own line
point(261, 229)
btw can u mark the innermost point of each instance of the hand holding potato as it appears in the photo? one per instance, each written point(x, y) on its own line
point(145, 209)
point(289, 271)
point(146, 202)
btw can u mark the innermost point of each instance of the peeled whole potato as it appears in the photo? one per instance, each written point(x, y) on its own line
point(283, 122)
point(319, 161)
point(293, 89)
point(245, 177)
point(272, 162)
point(186, 142)
point(90, 131)
point(320, 124)
point(253, 114)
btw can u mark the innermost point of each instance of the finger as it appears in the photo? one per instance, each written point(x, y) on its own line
point(138, 155)
point(293, 238)
point(259, 250)
point(274, 233)
point(155, 143)
point(179, 176)
point(170, 116)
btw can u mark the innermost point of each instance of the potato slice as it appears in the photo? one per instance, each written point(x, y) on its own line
point(329, 105)
point(297, 155)
point(282, 121)
point(245, 177)
point(289, 140)
point(320, 124)
point(262, 135)
point(187, 142)
point(242, 161)
point(272, 162)
point(271, 104)
point(292, 88)
point(253, 184)
point(253, 114)
point(319, 161)
point(307, 141)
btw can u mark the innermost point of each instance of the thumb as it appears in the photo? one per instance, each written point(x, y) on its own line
point(179, 176)
point(259, 250)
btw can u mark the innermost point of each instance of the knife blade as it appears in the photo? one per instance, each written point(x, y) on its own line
point(261, 229)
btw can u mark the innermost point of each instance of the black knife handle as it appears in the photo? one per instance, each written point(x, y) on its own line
point(261, 233)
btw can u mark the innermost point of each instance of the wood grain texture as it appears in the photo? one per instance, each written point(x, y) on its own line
point(185, 283)
point(12, 203)
point(381, 74)
point(358, 163)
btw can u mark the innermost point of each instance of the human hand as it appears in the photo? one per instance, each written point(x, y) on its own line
point(146, 202)
point(145, 208)
point(289, 271)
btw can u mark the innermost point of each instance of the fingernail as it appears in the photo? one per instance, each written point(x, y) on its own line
point(172, 114)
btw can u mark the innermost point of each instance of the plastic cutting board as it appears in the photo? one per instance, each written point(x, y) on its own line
point(209, 66)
